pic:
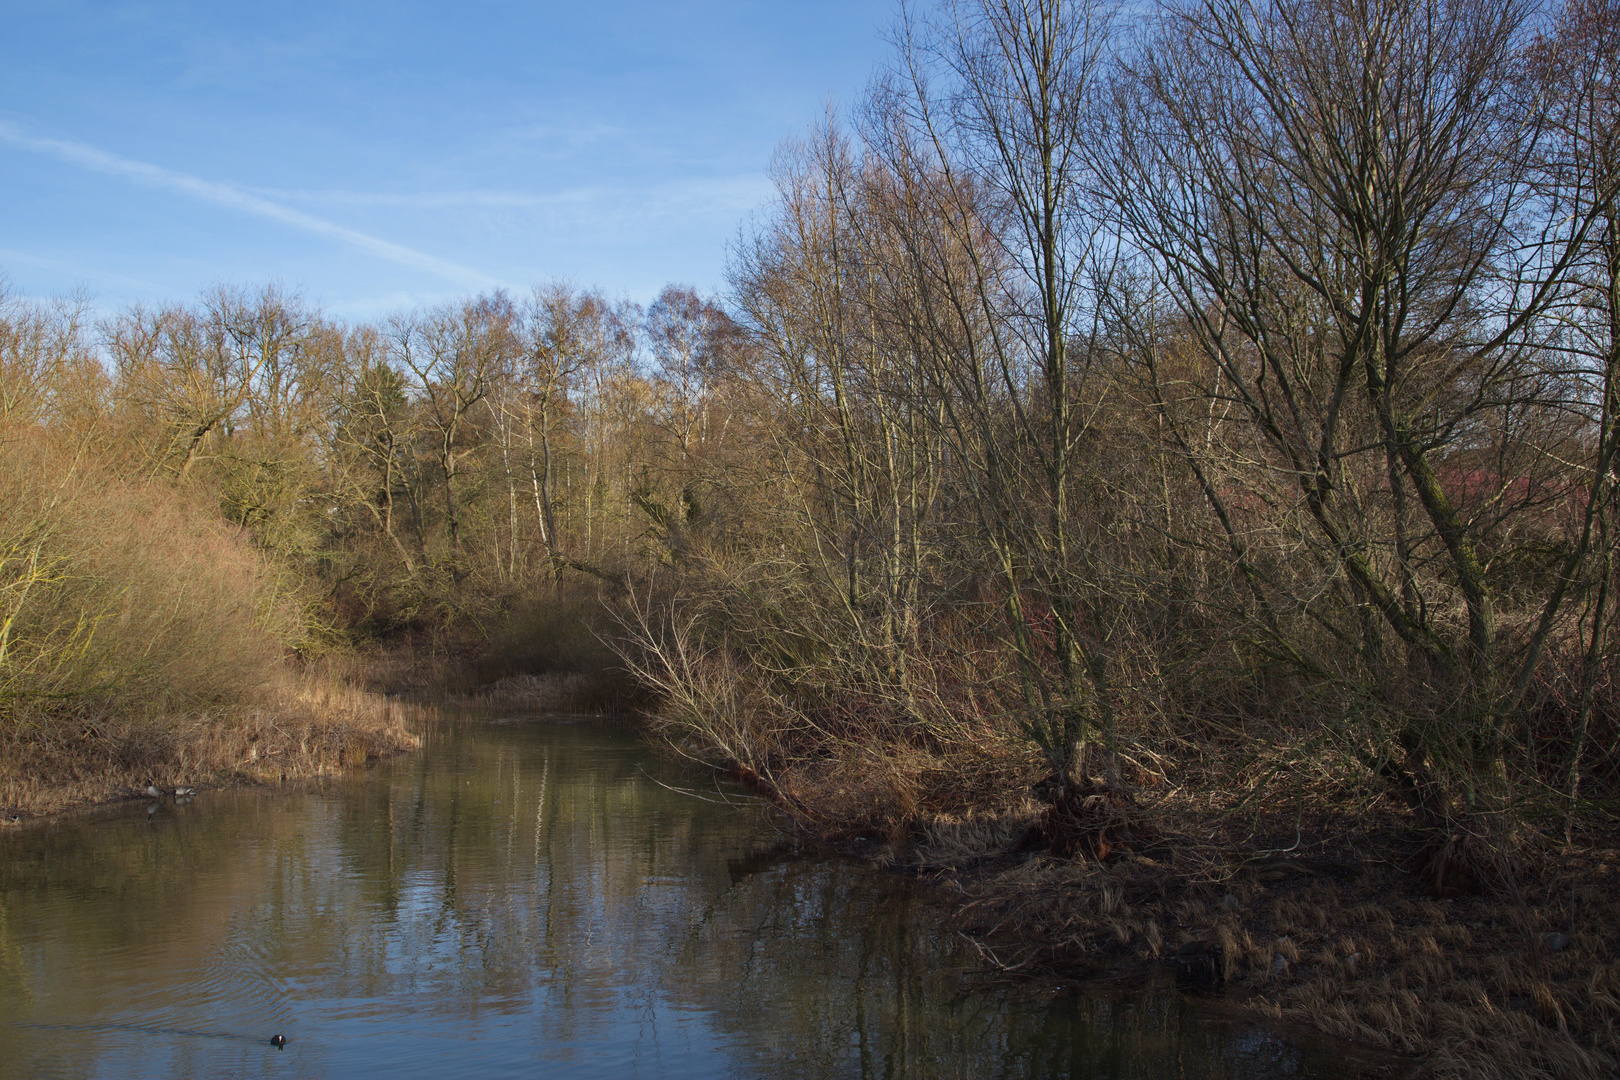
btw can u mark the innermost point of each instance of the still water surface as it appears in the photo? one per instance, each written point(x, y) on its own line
point(525, 898)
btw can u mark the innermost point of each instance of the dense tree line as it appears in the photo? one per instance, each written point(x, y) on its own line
point(473, 449)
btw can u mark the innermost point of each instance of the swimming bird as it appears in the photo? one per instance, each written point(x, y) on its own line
point(152, 790)
point(184, 792)
point(278, 1041)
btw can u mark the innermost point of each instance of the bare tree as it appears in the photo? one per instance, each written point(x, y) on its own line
point(43, 348)
point(1572, 76)
point(1334, 196)
point(988, 125)
point(450, 357)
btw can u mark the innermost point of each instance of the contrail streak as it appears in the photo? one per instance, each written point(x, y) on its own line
point(89, 157)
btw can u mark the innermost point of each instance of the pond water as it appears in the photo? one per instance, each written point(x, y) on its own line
point(526, 898)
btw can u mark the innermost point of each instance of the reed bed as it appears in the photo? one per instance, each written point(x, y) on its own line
point(303, 726)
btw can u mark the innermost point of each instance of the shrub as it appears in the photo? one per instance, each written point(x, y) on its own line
point(121, 595)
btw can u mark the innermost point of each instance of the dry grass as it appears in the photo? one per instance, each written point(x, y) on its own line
point(1469, 985)
point(301, 726)
point(905, 793)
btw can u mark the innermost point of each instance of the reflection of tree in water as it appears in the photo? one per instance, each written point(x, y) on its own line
point(527, 882)
point(825, 970)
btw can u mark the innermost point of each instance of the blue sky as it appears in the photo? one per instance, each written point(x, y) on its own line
point(381, 155)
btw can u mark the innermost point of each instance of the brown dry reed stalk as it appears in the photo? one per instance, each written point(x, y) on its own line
point(301, 726)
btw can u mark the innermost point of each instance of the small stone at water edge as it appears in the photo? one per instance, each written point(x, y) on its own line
point(1555, 941)
point(278, 1040)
